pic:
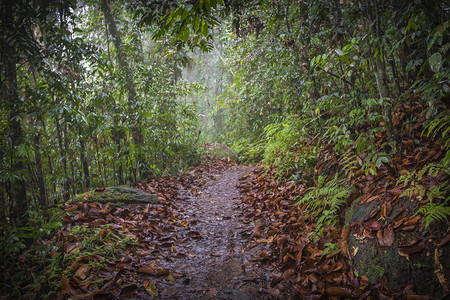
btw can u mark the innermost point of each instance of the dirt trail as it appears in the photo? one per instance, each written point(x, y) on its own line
point(220, 260)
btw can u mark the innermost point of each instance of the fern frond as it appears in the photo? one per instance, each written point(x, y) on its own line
point(435, 212)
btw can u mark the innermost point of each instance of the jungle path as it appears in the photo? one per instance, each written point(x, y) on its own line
point(194, 243)
point(220, 261)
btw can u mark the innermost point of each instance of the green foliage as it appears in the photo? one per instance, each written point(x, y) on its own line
point(435, 211)
point(440, 126)
point(438, 207)
point(329, 194)
point(101, 242)
point(286, 147)
point(330, 248)
point(323, 201)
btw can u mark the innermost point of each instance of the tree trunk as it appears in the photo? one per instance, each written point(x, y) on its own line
point(133, 106)
point(40, 172)
point(380, 73)
point(19, 195)
point(84, 162)
point(64, 160)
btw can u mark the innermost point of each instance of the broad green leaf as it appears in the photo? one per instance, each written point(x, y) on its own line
point(435, 62)
point(339, 52)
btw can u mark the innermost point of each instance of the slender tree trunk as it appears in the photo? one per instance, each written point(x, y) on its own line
point(380, 73)
point(84, 163)
point(40, 172)
point(19, 195)
point(64, 160)
point(49, 159)
point(133, 106)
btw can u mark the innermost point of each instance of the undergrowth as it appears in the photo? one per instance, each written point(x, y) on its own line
point(323, 201)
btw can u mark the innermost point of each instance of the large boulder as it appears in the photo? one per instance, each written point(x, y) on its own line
point(119, 194)
point(424, 264)
point(221, 151)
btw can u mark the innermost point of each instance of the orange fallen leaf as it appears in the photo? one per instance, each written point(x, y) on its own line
point(81, 272)
point(162, 272)
point(338, 292)
point(150, 269)
point(412, 221)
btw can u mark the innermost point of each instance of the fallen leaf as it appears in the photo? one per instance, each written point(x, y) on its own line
point(386, 236)
point(288, 274)
point(445, 240)
point(66, 288)
point(412, 221)
point(81, 272)
point(373, 225)
point(91, 294)
point(339, 292)
point(151, 289)
point(162, 272)
point(72, 208)
point(150, 269)
point(128, 291)
point(414, 249)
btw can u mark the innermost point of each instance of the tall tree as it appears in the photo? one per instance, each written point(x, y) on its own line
point(19, 195)
point(133, 105)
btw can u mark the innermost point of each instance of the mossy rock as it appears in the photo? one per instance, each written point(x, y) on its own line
point(221, 151)
point(375, 261)
point(122, 195)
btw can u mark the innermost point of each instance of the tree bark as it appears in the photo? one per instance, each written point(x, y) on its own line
point(19, 193)
point(85, 164)
point(40, 172)
point(380, 72)
point(66, 191)
point(124, 65)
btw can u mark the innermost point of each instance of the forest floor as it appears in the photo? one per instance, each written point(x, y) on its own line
point(221, 262)
point(219, 231)
point(194, 244)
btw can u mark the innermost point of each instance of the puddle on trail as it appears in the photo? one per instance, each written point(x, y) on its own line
point(214, 256)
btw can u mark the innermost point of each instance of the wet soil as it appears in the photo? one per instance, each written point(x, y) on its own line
point(219, 259)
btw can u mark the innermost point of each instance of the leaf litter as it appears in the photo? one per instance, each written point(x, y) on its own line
point(192, 244)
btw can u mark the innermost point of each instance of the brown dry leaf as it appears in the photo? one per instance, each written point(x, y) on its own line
point(412, 221)
point(445, 240)
point(82, 270)
point(264, 253)
point(72, 208)
point(386, 236)
point(150, 269)
point(128, 291)
point(162, 272)
point(372, 198)
point(373, 225)
point(66, 288)
point(256, 232)
point(413, 249)
point(339, 292)
point(288, 274)
point(90, 295)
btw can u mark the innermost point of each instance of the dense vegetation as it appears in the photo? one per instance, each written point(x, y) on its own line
point(327, 94)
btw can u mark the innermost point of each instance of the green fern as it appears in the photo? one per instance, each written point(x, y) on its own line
point(324, 200)
point(349, 163)
point(411, 179)
point(435, 212)
point(441, 124)
point(437, 209)
point(330, 195)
